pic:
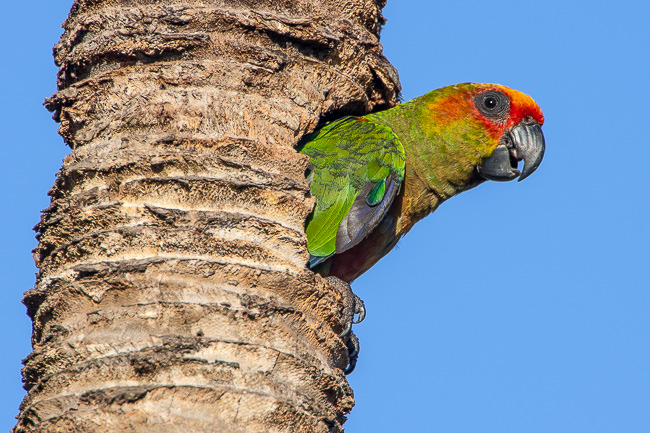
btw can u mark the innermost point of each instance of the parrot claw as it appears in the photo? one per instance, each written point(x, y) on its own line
point(360, 309)
point(346, 330)
point(352, 344)
point(352, 306)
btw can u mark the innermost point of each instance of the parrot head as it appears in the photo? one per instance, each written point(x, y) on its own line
point(499, 126)
point(517, 121)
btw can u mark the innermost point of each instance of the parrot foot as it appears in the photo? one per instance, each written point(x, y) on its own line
point(353, 307)
point(360, 309)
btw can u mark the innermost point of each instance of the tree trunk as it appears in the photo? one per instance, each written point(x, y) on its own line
point(172, 293)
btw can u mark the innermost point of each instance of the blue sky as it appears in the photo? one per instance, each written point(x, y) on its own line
point(515, 307)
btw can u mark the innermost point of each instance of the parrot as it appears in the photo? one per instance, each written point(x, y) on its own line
point(374, 176)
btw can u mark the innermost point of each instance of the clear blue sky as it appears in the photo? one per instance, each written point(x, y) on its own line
point(516, 307)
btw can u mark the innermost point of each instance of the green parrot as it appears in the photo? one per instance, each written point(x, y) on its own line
point(375, 176)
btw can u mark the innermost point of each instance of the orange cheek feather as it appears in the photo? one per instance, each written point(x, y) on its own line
point(457, 108)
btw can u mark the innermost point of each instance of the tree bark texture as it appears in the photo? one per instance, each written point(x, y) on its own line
point(172, 293)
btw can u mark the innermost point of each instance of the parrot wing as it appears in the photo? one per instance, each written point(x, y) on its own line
point(357, 168)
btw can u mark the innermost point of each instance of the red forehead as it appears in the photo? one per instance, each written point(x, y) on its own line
point(522, 106)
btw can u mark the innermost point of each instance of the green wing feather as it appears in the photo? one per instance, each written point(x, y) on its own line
point(350, 156)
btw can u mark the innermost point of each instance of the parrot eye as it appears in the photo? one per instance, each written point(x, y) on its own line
point(492, 104)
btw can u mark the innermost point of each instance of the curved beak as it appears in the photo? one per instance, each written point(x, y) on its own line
point(524, 142)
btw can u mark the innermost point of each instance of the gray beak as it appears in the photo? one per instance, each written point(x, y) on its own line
point(523, 142)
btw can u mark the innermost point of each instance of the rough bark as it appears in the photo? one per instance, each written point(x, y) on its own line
point(172, 293)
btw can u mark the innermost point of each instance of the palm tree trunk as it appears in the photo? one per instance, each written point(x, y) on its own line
point(172, 293)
